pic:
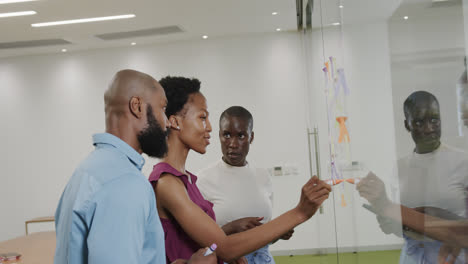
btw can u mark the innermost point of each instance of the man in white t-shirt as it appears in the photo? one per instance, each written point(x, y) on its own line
point(433, 175)
point(242, 194)
point(433, 179)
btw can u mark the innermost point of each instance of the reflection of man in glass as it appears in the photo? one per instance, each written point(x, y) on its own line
point(434, 175)
point(432, 179)
point(422, 120)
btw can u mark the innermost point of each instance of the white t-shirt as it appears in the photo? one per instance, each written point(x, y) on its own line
point(437, 179)
point(237, 192)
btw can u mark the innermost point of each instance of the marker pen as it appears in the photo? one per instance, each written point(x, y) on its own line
point(338, 181)
point(210, 250)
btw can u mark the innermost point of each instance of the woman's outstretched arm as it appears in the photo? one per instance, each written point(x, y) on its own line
point(173, 198)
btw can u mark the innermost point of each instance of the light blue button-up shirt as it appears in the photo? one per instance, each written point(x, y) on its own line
point(107, 213)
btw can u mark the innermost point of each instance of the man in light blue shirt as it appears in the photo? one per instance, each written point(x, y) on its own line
point(107, 212)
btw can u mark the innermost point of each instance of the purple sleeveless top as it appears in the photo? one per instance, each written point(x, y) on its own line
point(178, 244)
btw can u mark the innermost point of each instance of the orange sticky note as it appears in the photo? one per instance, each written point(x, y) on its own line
point(343, 202)
point(344, 135)
point(328, 69)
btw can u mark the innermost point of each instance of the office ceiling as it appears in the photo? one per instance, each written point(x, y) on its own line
point(155, 20)
point(214, 18)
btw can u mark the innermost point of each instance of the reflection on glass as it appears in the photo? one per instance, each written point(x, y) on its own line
point(402, 60)
point(432, 181)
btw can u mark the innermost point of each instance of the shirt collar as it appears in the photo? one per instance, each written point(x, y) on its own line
point(430, 154)
point(234, 167)
point(122, 146)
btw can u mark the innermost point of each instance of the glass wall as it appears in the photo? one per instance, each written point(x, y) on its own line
point(388, 96)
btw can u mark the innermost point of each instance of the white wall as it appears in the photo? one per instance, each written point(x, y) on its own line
point(51, 105)
point(465, 23)
point(427, 54)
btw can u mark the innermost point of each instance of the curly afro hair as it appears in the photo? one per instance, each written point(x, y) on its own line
point(178, 90)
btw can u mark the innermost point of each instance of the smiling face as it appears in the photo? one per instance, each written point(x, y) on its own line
point(235, 135)
point(194, 125)
point(424, 124)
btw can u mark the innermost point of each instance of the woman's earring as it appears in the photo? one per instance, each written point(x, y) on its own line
point(178, 128)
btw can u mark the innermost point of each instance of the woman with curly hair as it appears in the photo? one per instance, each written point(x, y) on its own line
point(188, 219)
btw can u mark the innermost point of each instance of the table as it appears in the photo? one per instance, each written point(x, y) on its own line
point(37, 248)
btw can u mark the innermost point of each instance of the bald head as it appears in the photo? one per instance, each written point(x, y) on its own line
point(417, 100)
point(134, 104)
point(125, 85)
point(422, 115)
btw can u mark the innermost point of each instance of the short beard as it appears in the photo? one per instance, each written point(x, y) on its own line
point(153, 139)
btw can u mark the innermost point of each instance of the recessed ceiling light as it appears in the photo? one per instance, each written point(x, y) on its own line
point(405, 17)
point(82, 20)
point(22, 13)
point(274, 13)
point(14, 1)
point(341, 6)
point(133, 43)
point(336, 24)
point(205, 37)
point(64, 50)
point(278, 29)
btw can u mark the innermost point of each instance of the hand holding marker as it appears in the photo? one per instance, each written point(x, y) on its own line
point(210, 250)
